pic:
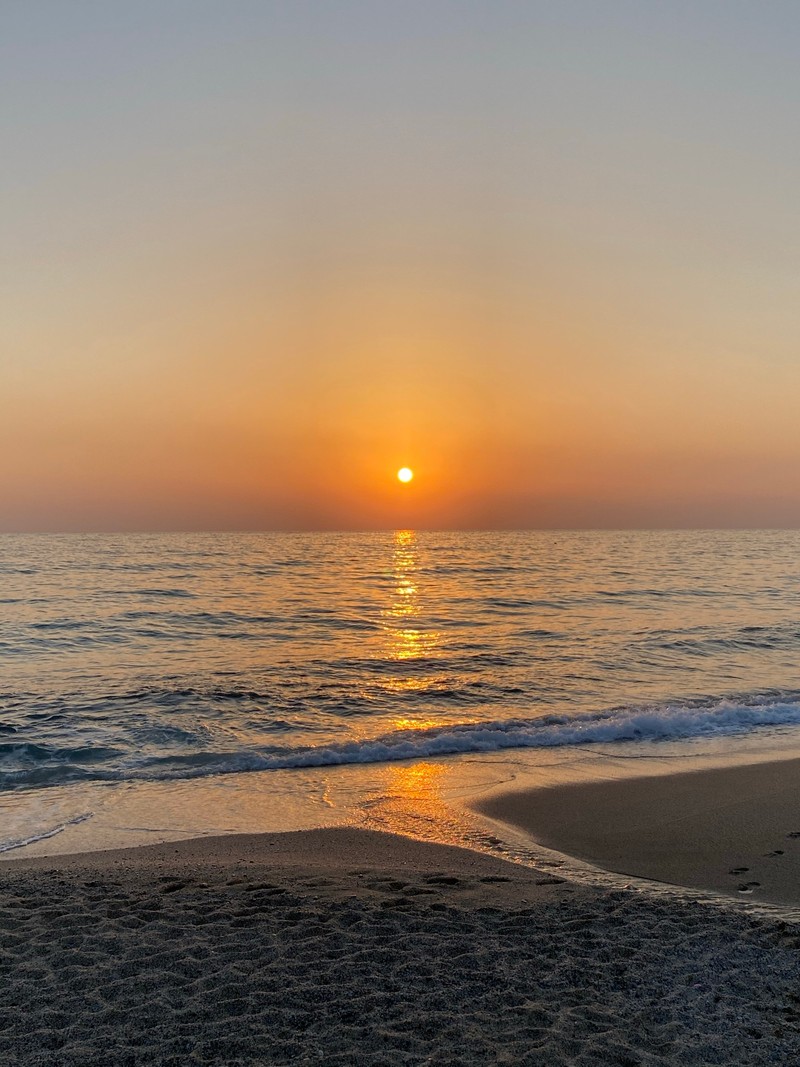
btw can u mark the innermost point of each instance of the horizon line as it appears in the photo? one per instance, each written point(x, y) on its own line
point(177, 531)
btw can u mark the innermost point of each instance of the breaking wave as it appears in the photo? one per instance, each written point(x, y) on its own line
point(646, 724)
point(550, 731)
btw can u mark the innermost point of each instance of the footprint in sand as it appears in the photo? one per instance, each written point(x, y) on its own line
point(794, 833)
point(748, 887)
point(775, 852)
point(738, 870)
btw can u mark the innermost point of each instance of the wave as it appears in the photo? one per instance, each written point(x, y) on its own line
point(43, 835)
point(670, 722)
point(643, 724)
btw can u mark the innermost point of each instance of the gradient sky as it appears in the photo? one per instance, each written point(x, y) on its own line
point(256, 256)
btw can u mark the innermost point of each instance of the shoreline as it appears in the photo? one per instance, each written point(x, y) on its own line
point(351, 947)
point(346, 853)
point(730, 830)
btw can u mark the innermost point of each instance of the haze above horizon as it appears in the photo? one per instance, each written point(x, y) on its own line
point(259, 257)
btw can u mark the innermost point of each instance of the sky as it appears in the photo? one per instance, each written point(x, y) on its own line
point(258, 255)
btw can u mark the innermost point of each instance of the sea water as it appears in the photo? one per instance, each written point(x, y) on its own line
point(175, 684)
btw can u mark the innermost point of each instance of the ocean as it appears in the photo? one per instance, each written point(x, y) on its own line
point(158, 686)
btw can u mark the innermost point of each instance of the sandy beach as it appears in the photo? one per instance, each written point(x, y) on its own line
point(732, 830)
point(351, 947)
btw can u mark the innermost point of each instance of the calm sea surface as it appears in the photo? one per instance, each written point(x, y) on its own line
point(173, 657)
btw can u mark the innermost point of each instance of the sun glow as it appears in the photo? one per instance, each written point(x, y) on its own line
point(405, 474)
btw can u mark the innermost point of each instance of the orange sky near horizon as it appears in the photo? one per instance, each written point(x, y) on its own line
point(501, 245)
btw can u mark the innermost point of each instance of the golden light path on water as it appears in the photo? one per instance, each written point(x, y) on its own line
point(405, 636)
point(413, 786)
point(404, 607)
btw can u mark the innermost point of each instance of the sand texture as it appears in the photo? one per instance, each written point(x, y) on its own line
point(734, 830)
point(350, 947)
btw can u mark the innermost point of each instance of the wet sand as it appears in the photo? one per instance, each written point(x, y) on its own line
point(734, 830)
point(352, 947)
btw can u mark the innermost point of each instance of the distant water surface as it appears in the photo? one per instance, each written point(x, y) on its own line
point(168, 657)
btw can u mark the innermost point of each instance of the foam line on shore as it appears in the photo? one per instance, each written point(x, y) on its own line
point(44, 835)
point(669, 722)
point(731, 830)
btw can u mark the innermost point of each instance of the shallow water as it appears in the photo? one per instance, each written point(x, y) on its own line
point(272, 659)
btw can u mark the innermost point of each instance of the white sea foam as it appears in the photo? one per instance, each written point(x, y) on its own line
point(43, 835)
point(644, 724)
point(651, 724)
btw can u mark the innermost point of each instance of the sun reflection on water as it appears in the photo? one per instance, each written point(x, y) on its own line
point(408, 642)
point(418, 782)
point(406, 637)
point(411, 799)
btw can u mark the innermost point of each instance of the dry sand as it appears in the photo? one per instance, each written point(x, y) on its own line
point(734, 830)
point(352, 947)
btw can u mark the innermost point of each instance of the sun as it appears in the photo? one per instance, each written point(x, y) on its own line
point(405, 474)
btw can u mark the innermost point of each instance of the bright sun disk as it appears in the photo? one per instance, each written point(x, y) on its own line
point(405, 474)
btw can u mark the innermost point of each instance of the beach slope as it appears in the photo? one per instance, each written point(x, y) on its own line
point(732, 830)
point(350, 947)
